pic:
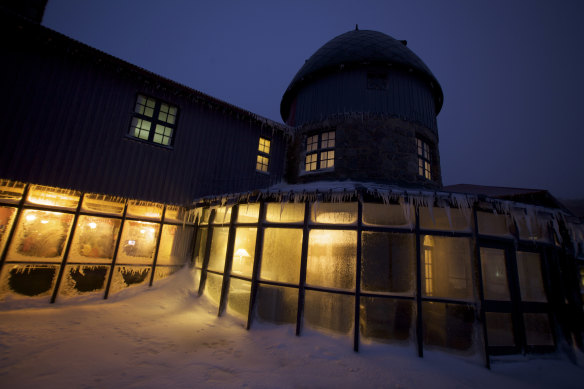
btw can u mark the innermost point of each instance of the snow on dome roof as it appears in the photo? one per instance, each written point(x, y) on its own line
point(358, 47)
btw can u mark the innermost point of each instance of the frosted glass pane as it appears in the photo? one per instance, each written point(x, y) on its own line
point(144, 209)
point(103, 204)
point(238, 299)
point(448, 326)
point(138, 242)
point(493, 224)
point(530, 278)
point(244, 251)
point(248, 213)
point(329, 311)
point(28, 280)
point(500, 329)
point(7, 215)
point(162, 272)
point(40, 236)
point(277, 304)
point(200, 244)
point(54, 197)
point(446, 270)
point(197, 279)
point(129, 276)
point(331, 258)
point(445, 219)
point(538, 331)
point(82, 279)
point(285, 212)
point(495, 284)
point(11, 191)
point(94, 240)
point(177, 214)
point(388, 262)
point(392, 215)
point(213, 286)
point(222, 215)
point(281, 255)
point(333, 213)
point(386, 320)
point(534, 228)
point(175, 245)
point(206, 214)
point(218, 249)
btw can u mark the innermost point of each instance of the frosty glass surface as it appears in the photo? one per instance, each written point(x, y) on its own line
point(281, 255)
point(331, 258)
point(97, 203)
point(285, 212)
point(197, 279)
point(205, 215)
point(40, 236)
point(248, 213)
point(7, 215)
point(493, 224)
point(11, 191)
point(218, 249)
point(138, 242)
point(28, 280)
point(446, 267)
point(388, 262)
point(333, 213)
point(213, 286)
point(538, 331)
point(238, 299)
point(448, 326)
point(83, 279)
point(200, 245)
point(129, 276)
point(177, 214)
point(495, 284)
point(144, 209)
point(54, 197)
point(500, 329)
point(277, 304)
point(94, 240)
point(222, 215)
point(445, 219)
point(329, 311)
point(244, 251)
point(534, 228)
point(390, 215)
point(386, 320)
point(175, 245)
point(162, 272)
point(530, 277)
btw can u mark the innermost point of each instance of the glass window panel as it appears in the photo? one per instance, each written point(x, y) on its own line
point(176, 214)
point(392, 215)
point(175, 245)
point(144, 209)
point(172, 110)
point(200, 245)
point(222, 215)
point(205, 216)
point(281, 255)
point(334, 213)
point(388, 262)
point(386, 320)
point(329, 311)
point(285, 212)
point(129, 276)
point(157, 138)
point(213, 286)
point(244, 251)
point(538, 331)
point(277, 304)
point(248, 213)
point(138, 242)
point(493, 224)
point(83, 279)
point(534, 228)
point(162, 272)
point(495, 284)
point(331, 258)
point(238, 299)
point(197, 278)
point(11, 191)
point(446, 267)
point(103, 204)
point(218, 249)
point(448, 326)
point(54, 197)
point(40, 236)
point(530, 277)
point(7, 215)
point(31, 280)
point(94, 240)
point(445, 219)
point(500, 329)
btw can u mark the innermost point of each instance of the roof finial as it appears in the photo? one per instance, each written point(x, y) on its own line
point(356, 27)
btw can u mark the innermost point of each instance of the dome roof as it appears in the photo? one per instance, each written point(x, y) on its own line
point(359, 47)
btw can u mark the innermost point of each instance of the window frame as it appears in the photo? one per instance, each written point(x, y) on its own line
point(424, 154)
point(262, 155)
point(154, 120)
point(315, 147)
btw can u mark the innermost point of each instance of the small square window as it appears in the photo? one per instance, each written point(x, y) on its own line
point(424, 159)
point(151, 114)
point(263, 157)
point(322, 157)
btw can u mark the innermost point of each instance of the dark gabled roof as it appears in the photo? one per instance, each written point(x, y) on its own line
point(355, 48)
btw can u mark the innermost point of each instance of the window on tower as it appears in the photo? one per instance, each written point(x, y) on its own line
point(320, 151)
point(263, 157)
point(424, 159)
point(153, 121)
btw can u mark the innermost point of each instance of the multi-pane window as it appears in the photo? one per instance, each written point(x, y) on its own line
point(320, 153)
point(153, 121)
point(263, 157)
point(424, 159)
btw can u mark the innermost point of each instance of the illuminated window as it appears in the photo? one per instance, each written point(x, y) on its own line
point(427, 247)
point(424, 159)
point(263, 158)
point(153, 121)
point(320, 153)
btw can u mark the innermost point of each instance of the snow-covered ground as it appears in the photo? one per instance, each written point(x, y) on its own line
point(166, 337)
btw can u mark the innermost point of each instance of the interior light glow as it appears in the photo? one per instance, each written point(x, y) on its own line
point(92, 225)
point(131, 242)
point(242, 253)
point(44, 221)
point(30, 217)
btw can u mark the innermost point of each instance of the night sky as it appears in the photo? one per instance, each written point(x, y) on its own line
point(511, 71)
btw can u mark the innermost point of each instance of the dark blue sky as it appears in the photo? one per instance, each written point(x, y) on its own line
point(511, 71)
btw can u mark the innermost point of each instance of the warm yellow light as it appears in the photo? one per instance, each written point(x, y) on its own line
point(92, 225)
point(242, 253)
point(30, 218)
point(44, 221)
point(131, 242)
point(142, 231)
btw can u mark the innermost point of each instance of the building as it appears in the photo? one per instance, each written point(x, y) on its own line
point(338, 220)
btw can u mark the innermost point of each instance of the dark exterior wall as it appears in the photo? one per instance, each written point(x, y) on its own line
point(66, 111)
point(346, 91)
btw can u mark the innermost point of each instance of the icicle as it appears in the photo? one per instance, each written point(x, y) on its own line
point(406, 209)
point(449, 216)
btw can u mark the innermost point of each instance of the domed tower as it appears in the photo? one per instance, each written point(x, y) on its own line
point(364, 107)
